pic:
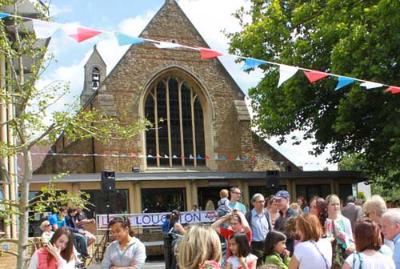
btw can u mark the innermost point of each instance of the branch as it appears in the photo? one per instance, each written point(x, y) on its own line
point(44, 134)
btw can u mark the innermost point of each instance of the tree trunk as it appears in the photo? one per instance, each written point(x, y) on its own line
point(24, 212)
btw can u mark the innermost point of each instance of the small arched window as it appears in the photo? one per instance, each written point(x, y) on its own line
point(177, 136)
point(95, 78)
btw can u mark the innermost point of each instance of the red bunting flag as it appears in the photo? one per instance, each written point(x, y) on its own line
point(82, 34)
point(314, 76)
point(393, 90)
point(209, 53)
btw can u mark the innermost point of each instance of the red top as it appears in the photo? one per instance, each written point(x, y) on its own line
point(46, 261)
point(228, 233)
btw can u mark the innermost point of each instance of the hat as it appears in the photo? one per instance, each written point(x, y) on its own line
point(282, 194)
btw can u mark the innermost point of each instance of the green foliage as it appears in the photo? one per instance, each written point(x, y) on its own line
point(351, 38)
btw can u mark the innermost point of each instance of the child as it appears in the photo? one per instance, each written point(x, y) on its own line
point(274, 249)
point(223, 203)
point(47, 233)
point(126, 251)
point(241, 256)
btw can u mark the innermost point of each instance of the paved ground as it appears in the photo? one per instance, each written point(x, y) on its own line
point(148, 265)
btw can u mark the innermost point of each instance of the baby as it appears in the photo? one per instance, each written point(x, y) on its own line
point(223, 203)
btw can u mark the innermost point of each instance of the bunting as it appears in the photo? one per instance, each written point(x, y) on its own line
point(167, 45)
point(80, 34)
point(286, 72)
point(343, 82)
point(371, 85)
point(251, 63)
point(124, 40)
point(45, 29)
point(209, 53)
point(314, 76)
point(393, 90)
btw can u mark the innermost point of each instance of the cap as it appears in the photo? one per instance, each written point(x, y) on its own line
point(282, 194)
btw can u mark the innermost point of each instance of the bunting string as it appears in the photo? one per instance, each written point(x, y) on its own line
point(45, 29)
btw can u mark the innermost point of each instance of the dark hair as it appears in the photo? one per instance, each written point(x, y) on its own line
point(68, 251)
point(175, 216)
point(272, 239)
point(309, 227)
point(243, 244)
point(303, 201)
point(124, 222)
point(322, 207)
point(367, 235)
point(72, 209)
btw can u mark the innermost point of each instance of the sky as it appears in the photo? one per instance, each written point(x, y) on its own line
point(210, 17)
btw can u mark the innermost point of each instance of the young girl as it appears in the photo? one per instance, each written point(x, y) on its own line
point(126, 251)
point(57, 254)
point(241, 256)
point(275, 246)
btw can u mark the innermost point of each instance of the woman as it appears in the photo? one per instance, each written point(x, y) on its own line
point(126, 251)
point(338, 230)
point(312, 252)
point(195, 253)
point(318, 207)
point(303, 204)
point(273, 210)
point(368, 241)
point(57, 254)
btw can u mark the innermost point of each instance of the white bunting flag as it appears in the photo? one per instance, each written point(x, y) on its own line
point(286, 72)
point(371, 85)
point(44, 29)
point(167, 45)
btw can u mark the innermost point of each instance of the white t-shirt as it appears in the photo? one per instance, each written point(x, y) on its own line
point(312, 255)
point(234, 261)
point(376, 261)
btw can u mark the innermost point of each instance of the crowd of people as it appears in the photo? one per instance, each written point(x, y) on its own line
point(273, 234)
point(276, 233)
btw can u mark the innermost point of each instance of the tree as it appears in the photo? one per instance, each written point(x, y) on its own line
point(351, 38)
point(25, 61)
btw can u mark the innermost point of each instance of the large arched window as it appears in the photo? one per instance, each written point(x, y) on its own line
point(177, 136)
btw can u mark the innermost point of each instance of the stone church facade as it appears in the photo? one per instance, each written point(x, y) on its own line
point(200, 140)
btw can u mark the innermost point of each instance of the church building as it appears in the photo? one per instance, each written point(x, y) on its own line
point(200, 140)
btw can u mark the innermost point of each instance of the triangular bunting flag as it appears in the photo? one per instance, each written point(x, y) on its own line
point(150, 156)
point(128, 40)
point(191, 157)
point(167, 45)
point(238, 158)
point(343, 81)
point(44, 29)
point(371, 85)
point(174, 157)
point(158, 156)
point(209, 53)
point(393, 90)
point(199, 157)
point(207, 157)
point(166, 156)
point(250, 63)
point(80, 34)
point(286, 72)
point(4, 15)
point(314, 76)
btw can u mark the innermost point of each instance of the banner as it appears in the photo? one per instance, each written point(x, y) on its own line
point(154, 219)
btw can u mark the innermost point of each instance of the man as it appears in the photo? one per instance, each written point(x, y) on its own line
point(260, 224)
point(352, 211)
point(282, 199)
point(80, 240)
point(391, 230)
point(234, 203)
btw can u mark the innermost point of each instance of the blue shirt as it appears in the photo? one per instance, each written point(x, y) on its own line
point(396, 252)
point(55, 220)
point(239, 206)
point(259, 225)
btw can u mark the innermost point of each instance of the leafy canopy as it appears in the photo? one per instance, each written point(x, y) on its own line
point(351, 38)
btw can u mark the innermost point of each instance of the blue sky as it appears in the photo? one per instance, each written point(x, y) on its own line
point(210, 17)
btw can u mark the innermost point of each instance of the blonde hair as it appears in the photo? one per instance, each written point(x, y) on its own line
point(331, 197)
point(375, 204)
point(198, 245)
point(224, 193)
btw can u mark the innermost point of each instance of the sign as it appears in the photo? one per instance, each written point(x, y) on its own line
point(152, 219)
